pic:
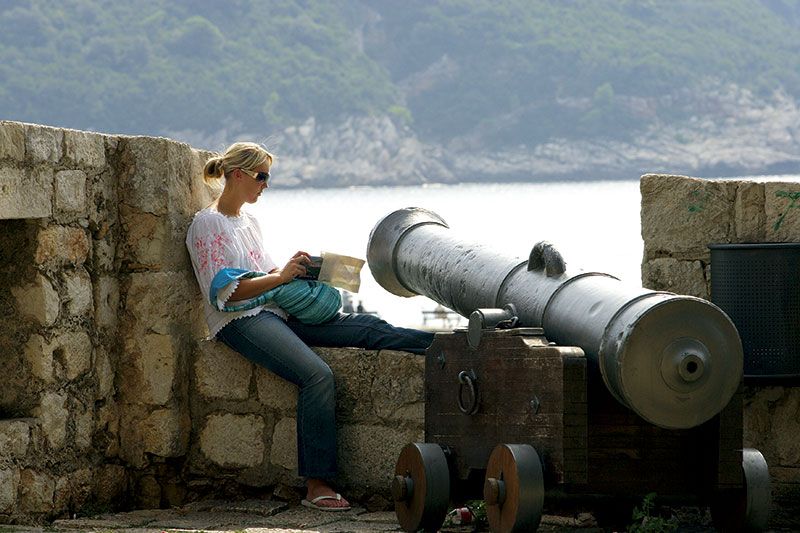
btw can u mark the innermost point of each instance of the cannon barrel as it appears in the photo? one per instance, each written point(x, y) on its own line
point(674, 360)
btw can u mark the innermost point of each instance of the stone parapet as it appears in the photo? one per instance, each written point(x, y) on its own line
point(107, 393)
point(74, 261)
point(244, 417)
point(681, 216)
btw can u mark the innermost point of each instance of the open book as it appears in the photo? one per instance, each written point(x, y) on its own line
point(341, 271)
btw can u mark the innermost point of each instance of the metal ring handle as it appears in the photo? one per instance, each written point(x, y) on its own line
point(468, 379)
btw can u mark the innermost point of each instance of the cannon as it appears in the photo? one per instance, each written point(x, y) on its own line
point(565, 384)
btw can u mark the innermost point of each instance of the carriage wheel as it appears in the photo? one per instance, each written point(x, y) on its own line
point(745, 509)
point(421, 487)
point(514, 488)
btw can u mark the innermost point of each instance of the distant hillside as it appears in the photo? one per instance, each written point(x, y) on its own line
point(519, 85)
point(150, 66)
point(527, 71)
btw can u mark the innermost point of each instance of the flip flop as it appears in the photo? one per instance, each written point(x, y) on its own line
point(313, 503)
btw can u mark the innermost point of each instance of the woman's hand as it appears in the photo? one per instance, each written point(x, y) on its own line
point(249, 288)
point(294, 267)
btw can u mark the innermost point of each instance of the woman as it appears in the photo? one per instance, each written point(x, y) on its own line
point(222, 236)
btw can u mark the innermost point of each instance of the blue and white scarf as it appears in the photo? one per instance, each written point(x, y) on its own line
point(311, 302)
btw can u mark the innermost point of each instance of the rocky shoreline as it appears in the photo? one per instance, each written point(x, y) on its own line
point(728, 131)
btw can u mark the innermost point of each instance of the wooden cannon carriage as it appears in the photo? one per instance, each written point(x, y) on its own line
point(641, 394)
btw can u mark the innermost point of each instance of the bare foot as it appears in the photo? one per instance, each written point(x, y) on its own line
point(317, 488)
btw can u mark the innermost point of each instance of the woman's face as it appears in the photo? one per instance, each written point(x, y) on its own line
point(251, 186)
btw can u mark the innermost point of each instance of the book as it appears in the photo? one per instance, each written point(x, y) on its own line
point(312, 269)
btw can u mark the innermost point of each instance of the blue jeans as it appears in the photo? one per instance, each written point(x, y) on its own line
point(282, 347)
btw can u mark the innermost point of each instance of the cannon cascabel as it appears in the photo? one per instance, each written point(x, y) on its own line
point(674, 360)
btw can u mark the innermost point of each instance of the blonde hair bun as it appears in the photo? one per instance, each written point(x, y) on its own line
point(213, 168)
point(246, 155)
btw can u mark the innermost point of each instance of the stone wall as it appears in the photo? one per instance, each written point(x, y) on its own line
point(681, 216)
point(108, 394)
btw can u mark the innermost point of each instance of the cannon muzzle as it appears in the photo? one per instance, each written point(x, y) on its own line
point(674, 360)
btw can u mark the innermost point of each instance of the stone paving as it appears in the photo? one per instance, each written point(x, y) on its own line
point(260, 516)
point(271, 516)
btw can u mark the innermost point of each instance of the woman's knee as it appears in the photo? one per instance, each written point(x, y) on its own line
point(319, 374)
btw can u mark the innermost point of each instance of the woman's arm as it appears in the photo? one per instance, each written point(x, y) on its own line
point(249, 288)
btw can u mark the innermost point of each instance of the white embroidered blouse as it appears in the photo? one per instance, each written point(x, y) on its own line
point(216, 241)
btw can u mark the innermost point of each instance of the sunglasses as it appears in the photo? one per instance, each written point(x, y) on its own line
point(261, 177)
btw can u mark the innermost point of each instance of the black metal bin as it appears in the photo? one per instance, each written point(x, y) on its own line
point(758, 286)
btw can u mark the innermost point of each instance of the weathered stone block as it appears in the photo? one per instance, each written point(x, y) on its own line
point(683, 215)
point(157, 300)
point(354, 371)
point(9, 485)
point(681, 277)
point(231, 440)
point(42, 144)
point(274, 392)
point(104, 373)
point(165, 432)
point(14, 438)
point(103, 200)
point(52, 414)
point(61, 245)
point(283, 451)
point(84, 149)
point(110, 482)
point(130, 434)
point(143, 186)
point(104, 254)
point(152, 242)
point(186, 174)
point(12, 140)
point(26, 193)
point(107, 428)
point(39, 355)
point(79, 297)
point(150, 370)
point(782, 210)
point(111, 143)
point(749, 212)
point(398, 390)
point(785, 415)
point(36, 491)
point(148, 493)
point(221, 373)
point(84, 427)
point(106, 302)
point(61, 493)
point(785, 488)
point(73, 490)
point(158, 165)
point(367, 454)
point(38, 300)
point(73, 350)
point(70, 194)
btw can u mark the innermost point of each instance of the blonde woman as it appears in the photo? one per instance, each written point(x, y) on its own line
point(223, 237)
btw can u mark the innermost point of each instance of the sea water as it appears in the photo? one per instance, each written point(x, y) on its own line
point(595, 225)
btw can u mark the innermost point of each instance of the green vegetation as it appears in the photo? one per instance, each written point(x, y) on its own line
point(501, 73)
point(534, 69)
point(155, 65)
point(478, 508)
point(645, 521)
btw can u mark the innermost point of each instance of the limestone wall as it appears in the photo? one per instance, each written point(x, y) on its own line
point(680, 217)
point(108, 395)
